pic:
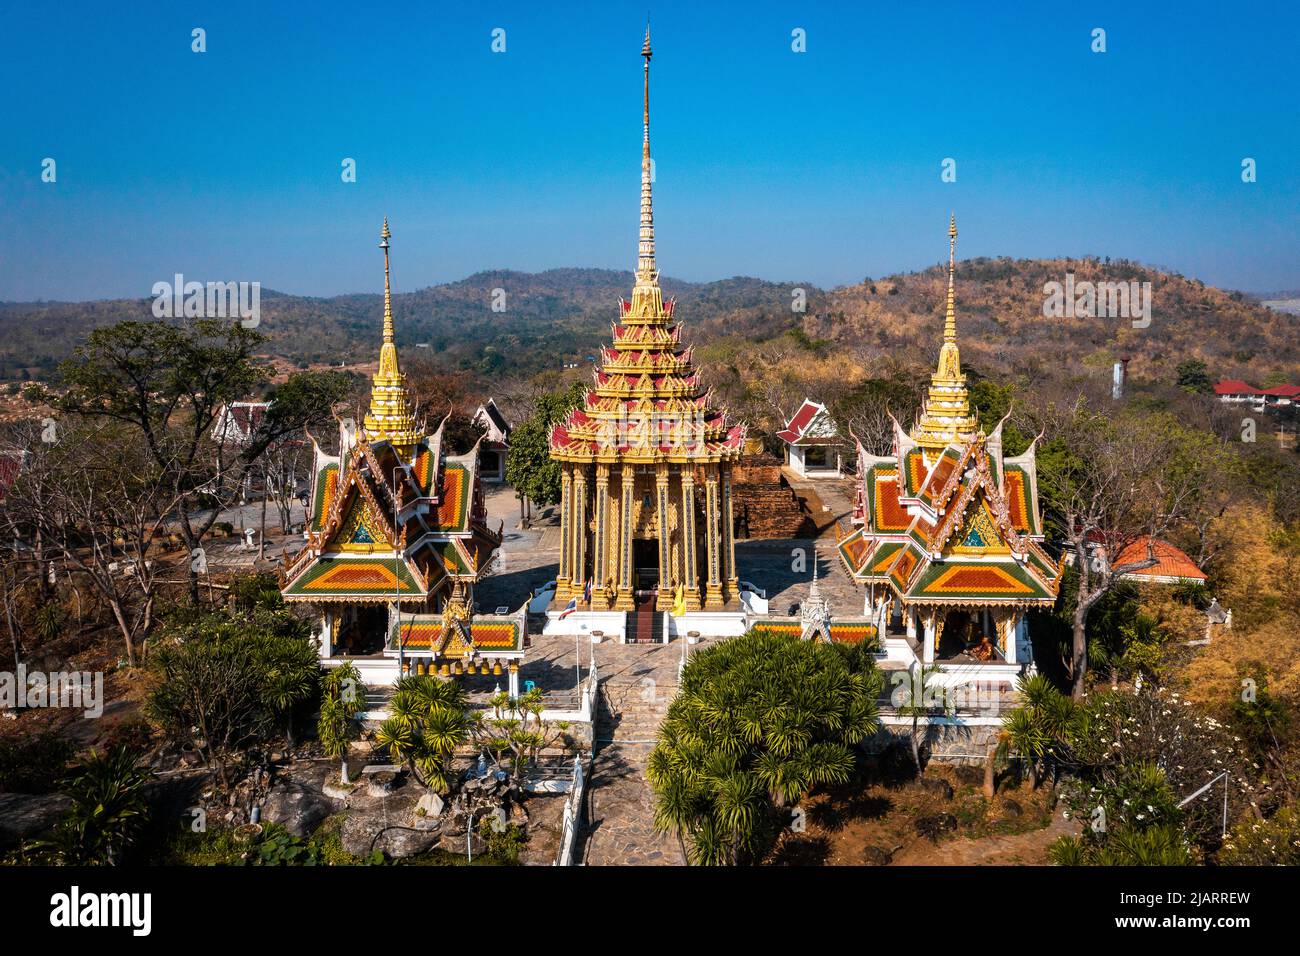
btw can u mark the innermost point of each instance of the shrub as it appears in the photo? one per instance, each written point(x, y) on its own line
point(33, 764)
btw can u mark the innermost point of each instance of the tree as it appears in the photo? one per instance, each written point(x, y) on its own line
point(1039, 729)
point(1117, 485)
point(235, 675)
point(529, 467)
point(427, 724)
point(758, 721)
point(1194, 376)
point(920, 696)
point(516, 726)
point(170, 383)
point(342, 702)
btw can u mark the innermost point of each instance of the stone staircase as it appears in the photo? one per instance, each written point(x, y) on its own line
point(620, 827)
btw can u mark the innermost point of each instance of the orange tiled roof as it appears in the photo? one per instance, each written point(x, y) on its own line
point(1170, 561)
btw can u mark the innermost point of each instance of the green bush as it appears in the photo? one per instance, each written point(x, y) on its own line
point(33, 764)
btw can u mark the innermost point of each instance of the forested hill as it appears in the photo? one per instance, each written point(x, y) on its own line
point(562, 315)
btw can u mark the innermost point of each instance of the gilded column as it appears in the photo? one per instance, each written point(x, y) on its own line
point(600, 541)
point(690, 547)
point(665, 601)
point(578, 531)
point(627, 490)
point(728, 536)
point(566, 524)
point(712, 540)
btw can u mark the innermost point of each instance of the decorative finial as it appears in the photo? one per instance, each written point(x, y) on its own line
point(384, 236)
point(646, 271)
point(950, 318)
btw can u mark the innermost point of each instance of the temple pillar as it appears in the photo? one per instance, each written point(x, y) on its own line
point(513, 679)
point(578, 533)
point(665, 601)
point(599, 544)
point(712, 541)
point(562, 578)
point(626, 600)
point(690, 547)
point(931, 637)
point(728, 537)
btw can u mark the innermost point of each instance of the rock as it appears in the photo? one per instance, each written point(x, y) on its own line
point(876, 856)
point(431, 804)
point(381, 784)
point(336, 790)
point(937, 785)
point(1011, 809)
point(296, 808)
point(364, 832)
point(518, 814)
point(24, 815)
point(933, 825)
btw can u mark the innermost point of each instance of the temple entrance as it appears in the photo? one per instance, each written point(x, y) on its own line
point(645, 565)
point(363, 630)
point(967, 635)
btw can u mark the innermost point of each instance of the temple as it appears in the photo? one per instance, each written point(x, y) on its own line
point(396, 538)
point(646, 501)
point(948, 537)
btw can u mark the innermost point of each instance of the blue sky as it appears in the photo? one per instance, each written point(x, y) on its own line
point(821, 166)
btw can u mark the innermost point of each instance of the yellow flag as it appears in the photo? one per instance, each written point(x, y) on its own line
point(679, 601)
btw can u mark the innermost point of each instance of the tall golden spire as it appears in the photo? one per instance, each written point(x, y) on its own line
point(946, 417)
point(391, 414)
point(647, 300)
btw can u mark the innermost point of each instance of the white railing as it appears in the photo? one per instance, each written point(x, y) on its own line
point(586, 712)
point(572, 819)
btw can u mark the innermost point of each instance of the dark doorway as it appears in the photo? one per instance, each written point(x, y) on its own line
point(364, 631)
point(645, 564)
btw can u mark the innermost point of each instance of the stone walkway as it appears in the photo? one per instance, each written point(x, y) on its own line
point(641, 683)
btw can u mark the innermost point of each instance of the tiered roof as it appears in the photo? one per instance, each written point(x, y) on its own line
point(647, 403)
point(947, 518)
point(392, 514)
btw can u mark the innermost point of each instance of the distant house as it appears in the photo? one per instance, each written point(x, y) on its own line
point(11, 463)
point(237, 422)
point(496, 442)
point(814, 447)
point(1172, 566)
point(1236, 391)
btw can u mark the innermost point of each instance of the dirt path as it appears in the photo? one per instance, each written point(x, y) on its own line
point(1020, 849)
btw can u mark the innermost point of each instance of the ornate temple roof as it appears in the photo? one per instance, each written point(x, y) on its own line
point(947, 518)
point(647, 402)
point(392, 508)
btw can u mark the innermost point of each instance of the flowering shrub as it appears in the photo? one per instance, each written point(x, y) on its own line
point(1272, 842)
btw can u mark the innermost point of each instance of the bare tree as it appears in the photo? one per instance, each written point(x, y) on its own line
point(1125, 482)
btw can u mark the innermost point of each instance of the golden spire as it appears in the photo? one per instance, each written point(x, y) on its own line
point(946, 417)
point(646, 272)
point(391, 415)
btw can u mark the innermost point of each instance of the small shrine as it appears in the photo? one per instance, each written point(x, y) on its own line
point(396, 538)
point(948, 542)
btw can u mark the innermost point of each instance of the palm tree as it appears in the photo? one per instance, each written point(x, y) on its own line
point(923, 697)
point(1039, 730)
point(758, 722)
point(427, 725)
point(341, 703)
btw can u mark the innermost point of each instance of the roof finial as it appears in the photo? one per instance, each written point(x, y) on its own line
point(950, 320)
point(646, 272)
point(384, 236)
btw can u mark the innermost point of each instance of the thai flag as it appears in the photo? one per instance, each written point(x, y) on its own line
point(586, 593)
point(569, 608)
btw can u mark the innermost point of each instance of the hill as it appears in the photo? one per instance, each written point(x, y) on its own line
point(547, 319)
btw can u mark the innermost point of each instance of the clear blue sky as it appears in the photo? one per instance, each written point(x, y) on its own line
point(822, 166)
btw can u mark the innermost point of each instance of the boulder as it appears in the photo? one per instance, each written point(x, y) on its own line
point(296, 808)
point(875, 856)
point(933, 825)
point(24, 816)
point(365, 831)
point(431, 804)
point(937, 785)
point(381, 784)
point(1010, 808)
